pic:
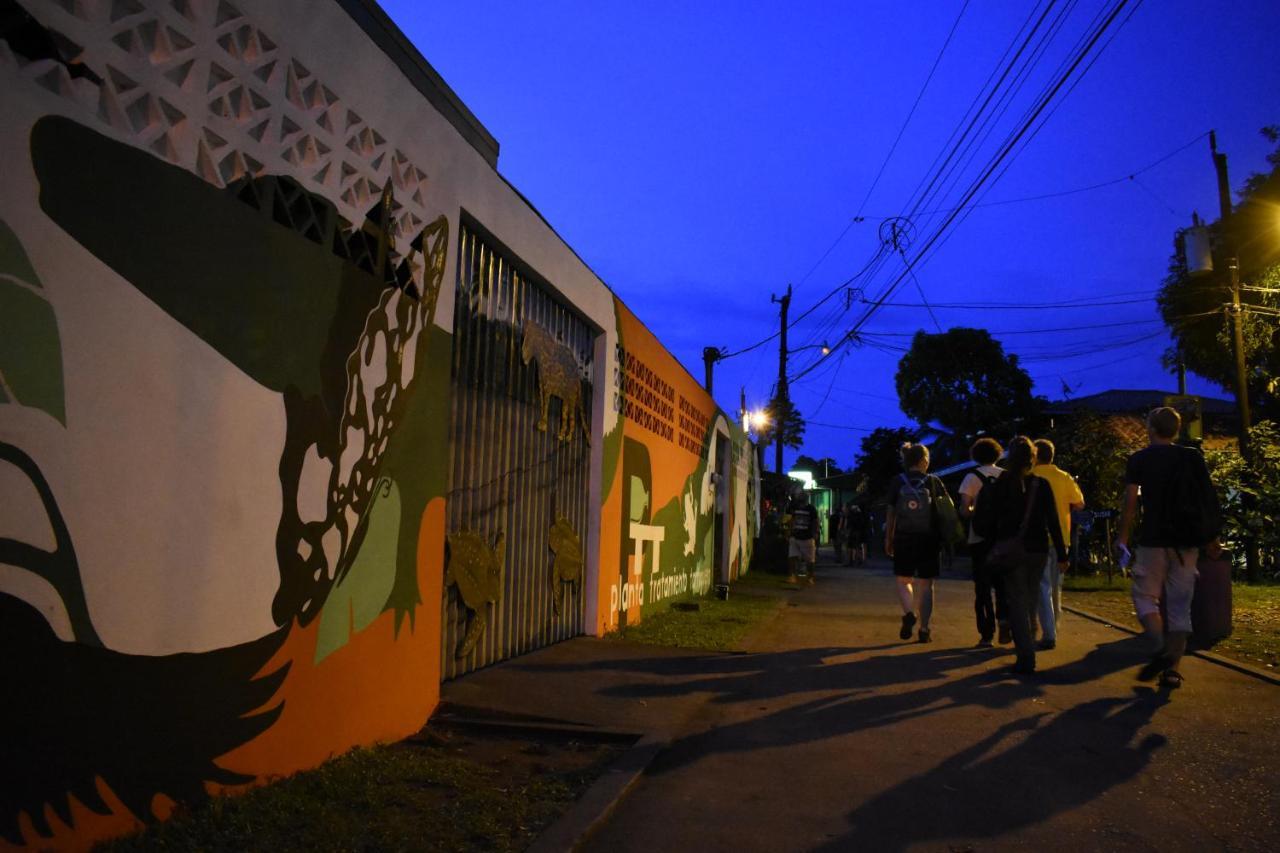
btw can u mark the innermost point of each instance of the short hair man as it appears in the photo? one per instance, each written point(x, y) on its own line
point(803, 551)
point(989, 605)
point(1164, 478)
point(1067, 498)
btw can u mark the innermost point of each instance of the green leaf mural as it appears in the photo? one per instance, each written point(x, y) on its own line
point(361, 595)
point(30, 348)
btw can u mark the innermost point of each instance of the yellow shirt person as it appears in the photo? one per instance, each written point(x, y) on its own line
point(1066, 497)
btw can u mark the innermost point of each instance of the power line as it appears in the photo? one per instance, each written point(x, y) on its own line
point(1014, 306)
point(1132, 176)
point(1005, 151)
point(894, 147)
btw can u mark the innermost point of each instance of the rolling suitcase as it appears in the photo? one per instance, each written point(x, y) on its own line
point(1211, 604)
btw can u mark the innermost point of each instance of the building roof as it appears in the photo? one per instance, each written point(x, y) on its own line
point(1132, 402)
point(387, 36)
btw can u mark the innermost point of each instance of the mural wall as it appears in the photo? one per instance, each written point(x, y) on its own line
point(676, 472)
point(266, 475)
point(222, 372)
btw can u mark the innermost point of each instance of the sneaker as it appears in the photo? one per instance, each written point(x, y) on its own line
point(908, 622)
point(1171, 679)
point(984, 642)
point(1006, 634)
point(812, 579)
point(925, 635)
point(1047, 645)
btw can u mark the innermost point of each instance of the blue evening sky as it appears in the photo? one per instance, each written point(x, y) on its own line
point(701, 155)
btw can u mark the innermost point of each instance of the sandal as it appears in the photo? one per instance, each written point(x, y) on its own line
point(1171, 679)
point(1154, 668)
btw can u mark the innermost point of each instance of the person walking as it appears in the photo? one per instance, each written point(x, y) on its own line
point(989, 606)
point(1180, 516)
point(857, 527)
point(912, 541)
point(835, 531)
point(1067, 498)
point(1019, 515)
point(803, 551)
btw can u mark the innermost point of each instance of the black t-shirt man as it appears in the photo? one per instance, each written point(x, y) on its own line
point(804, 521)
point(1154, 470)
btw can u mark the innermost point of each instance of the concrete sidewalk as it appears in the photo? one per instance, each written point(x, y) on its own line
point(832, 734)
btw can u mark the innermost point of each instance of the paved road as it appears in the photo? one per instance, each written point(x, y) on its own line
point(832, 734)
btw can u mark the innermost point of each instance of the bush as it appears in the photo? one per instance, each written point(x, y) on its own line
point(1250, 493)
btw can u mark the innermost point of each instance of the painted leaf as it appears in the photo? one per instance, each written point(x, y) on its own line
point(30, 348)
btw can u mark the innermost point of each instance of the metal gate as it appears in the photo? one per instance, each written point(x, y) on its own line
point(518, 488)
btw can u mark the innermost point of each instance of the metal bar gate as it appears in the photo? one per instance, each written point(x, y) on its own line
point(517, 353)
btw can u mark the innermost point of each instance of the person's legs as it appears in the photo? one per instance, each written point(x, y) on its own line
point(983, 611)
point(805, 555)
point(1180, 585)
point(1021, 587)
point(923, 601)
point(999, 583)
point(1150, 566)
point(1048, 619)
point(906, 593)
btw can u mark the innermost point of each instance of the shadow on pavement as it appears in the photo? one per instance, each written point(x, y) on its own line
point(984, 791)
point(1025, 771)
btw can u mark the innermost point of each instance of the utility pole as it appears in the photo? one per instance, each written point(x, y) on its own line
point(1252, 557)
point(783, 399)
point(1237, 311)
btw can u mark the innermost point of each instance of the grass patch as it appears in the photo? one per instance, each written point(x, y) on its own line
point(438, 791)
point(1256, 615)
point(715, 626)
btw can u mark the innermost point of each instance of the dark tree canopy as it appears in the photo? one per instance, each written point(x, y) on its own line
point(1192, 305)
point(824, 467)
point(783, 412)
point(963, 382)
point(880, 458)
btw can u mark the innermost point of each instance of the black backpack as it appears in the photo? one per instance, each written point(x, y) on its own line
point(983, 520)
point(1192, 515)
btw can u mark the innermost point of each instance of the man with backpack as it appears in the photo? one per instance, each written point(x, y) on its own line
point(989, 604)
point(912, 540)
point(1180, 515)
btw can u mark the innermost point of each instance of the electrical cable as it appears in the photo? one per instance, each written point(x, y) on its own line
point(996, 161)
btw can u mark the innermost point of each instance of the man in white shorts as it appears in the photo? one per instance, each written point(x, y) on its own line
point(1180, 515)
point(804, 547)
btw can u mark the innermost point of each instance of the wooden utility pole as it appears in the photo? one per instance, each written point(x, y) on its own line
point(1253, 563)
point(782, 400)
point(1233, 280)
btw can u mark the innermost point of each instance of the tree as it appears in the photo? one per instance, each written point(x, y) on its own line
point(1193, 306)
point(880, 459)
point(1095, 454)
point(782, 412)
point(824, 467)
point(962, 384)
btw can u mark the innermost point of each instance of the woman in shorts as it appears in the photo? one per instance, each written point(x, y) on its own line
point(911, 539)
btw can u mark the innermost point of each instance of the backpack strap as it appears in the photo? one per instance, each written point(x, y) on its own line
point(1031, 502)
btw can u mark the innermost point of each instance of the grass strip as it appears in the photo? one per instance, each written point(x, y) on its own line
point(716, 625)
point(1255, 639)
point(425, 793)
